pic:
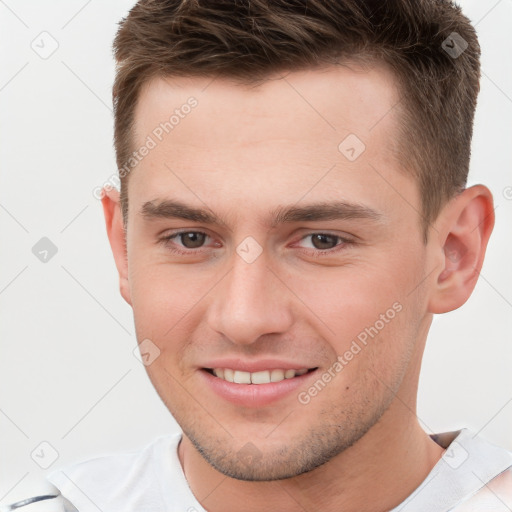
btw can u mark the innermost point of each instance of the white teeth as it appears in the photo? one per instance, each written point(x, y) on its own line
point(276, 375)
point(261, 377)
point(242, 377)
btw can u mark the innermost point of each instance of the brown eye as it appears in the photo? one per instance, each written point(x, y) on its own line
point(323, 241)
point(192, 239)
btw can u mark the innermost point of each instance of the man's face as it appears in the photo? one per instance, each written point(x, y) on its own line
point(263, 289)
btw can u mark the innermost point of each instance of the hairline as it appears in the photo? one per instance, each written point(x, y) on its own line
point(370, 59)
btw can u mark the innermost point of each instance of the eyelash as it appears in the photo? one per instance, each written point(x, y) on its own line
point(343, 244)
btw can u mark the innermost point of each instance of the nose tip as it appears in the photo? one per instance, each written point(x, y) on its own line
point(249, 303)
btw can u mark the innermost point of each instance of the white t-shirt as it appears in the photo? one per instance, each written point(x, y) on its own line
point(472, 476)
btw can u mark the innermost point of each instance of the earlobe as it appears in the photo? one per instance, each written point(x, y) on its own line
point(117, 237)
point(464, 228)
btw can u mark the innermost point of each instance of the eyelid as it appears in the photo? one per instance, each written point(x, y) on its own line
point(344, 241)
point(342, 238)
point(170, 236)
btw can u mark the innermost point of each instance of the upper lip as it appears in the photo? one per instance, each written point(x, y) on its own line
point(255, 366)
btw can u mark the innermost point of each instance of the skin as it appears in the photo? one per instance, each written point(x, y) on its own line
point(241, 153)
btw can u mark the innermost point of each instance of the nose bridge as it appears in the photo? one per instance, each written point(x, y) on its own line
point(249, 302)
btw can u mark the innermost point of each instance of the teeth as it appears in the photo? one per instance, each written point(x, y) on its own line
point(219, 372)
point(262, 377)
point(242, 377)
point(276, 375)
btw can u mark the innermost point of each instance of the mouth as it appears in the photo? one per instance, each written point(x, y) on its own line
point(255, 383)
point(269, 376)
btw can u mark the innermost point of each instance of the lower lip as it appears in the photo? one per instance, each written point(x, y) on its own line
point(254, 395)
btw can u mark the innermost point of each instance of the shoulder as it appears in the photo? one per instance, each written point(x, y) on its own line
point(113, 480)
point(128, 481)
point(473, 475)
point(481, 471)
point(495, 495)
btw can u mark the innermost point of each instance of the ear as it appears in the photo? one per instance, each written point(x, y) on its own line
point(117, 237)
point(463, 229)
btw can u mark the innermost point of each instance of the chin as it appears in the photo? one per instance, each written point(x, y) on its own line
point(256, 462)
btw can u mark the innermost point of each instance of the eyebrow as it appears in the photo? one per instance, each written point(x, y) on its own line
point(336, 210)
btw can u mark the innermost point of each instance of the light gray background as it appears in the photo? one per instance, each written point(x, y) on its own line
point(68, 376)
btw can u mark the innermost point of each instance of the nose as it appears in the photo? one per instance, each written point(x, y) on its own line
point(250, 301)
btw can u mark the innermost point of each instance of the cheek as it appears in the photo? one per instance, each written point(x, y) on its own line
point(346, 301)
point(168, 310)
point(163, 294)
point(365, 312)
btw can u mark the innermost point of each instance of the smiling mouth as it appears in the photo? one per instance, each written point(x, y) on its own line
point(261, 377)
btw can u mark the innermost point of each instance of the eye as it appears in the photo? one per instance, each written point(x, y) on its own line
point(324, 243)
point(192, 239)
point(185, 242)
point(191, 242)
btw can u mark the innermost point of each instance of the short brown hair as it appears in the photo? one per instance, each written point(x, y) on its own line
point(431, 47)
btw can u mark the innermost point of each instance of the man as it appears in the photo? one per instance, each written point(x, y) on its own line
point(292, 214)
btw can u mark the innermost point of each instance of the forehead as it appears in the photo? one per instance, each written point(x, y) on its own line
point(331, 99)
point(214, 137)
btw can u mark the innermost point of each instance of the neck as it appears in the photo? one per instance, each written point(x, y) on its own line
point(375, 474)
